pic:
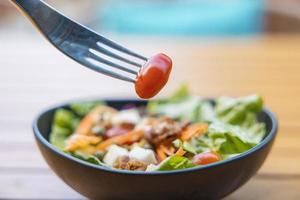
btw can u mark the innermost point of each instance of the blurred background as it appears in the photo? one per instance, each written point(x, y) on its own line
point(147, 27)
point(192, 32)
point(219, 47)
point(173, 17)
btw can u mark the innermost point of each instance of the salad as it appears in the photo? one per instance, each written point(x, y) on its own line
point(182, 131)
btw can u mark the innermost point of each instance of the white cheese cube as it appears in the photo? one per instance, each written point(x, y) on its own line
point(144, 155)
point(113, 153)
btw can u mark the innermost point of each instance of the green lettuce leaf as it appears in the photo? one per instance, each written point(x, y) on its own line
point(88, 158)
point(63, 118)
point(229, 139)
point(234, 110)
point(187, 109)
point(255, 130)
point(203, 144)
point(185, 145)
point(174, 163)
point(66, 121)
point(58, 140)
point(181, 93)
point(84, 108)
point(233, 125)
point(64, 124)
point(207, 112)
point(180, 105)
point(226, 156)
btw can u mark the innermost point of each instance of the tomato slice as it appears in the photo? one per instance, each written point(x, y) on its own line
point(206, 158)
point(153, 76)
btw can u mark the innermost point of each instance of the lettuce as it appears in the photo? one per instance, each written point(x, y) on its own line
point(179, 106)
point(207, 112)
point(255, 130)
point(88, 158)
point(187, 109)
point(63, 125)
point(185, 145)
point(233, 126)
point(235, 110)
point(174, 163)
point(58, 140)
point(84, 108)
point(227, 139)
point(220, 129)
point(181, 93)
point(203, 144)
point(240, 128)
point(63, 118)
point(66, 121)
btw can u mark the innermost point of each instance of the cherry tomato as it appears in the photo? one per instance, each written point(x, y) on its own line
point(153, 76)
point(205, 158)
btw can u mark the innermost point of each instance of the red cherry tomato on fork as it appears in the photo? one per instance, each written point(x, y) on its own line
point(153, 76)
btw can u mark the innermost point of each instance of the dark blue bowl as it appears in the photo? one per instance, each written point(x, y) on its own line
point(212, 181)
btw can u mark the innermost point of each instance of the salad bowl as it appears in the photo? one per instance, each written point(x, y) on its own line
point(212, 181)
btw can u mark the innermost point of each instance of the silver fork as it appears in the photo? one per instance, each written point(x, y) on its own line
point(82, 44)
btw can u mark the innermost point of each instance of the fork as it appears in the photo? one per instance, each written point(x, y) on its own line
point(81, 43)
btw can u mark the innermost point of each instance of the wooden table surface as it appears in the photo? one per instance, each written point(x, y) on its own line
point(33, 75)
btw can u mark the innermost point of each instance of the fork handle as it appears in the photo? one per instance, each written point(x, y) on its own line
point(38, 12)
point(27, 6)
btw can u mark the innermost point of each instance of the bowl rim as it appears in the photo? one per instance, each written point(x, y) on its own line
point(38, 135)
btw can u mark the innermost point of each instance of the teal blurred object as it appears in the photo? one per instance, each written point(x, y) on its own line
point(207, 18)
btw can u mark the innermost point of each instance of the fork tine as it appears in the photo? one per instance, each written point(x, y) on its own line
point(107, 62)
point(104, 71)
point(113, 55)
point(120, 48)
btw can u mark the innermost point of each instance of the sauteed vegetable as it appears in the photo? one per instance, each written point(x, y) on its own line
point(180, 132)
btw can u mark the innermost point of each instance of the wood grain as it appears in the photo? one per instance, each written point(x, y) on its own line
point(34, 75)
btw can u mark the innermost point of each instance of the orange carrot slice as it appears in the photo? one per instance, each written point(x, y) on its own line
point(160, 153)
point(78, 141)
point(88, 121)
point(180, 152)
point(193, 130)
point(169, 150)
point(130, 137)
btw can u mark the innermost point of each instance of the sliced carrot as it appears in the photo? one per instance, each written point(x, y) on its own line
point(160, 153)
point(167, 149)
point(88, 121)
point(85, 125)
point(180, 152)
point(78, 141)
point(193, 130)
point(171, 150)
point(130, 137)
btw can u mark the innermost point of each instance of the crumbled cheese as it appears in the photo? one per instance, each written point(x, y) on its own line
point(131, 116)
point(113, 153)
point(143, 155)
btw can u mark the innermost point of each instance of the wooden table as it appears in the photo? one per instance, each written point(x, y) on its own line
point(33, 75)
